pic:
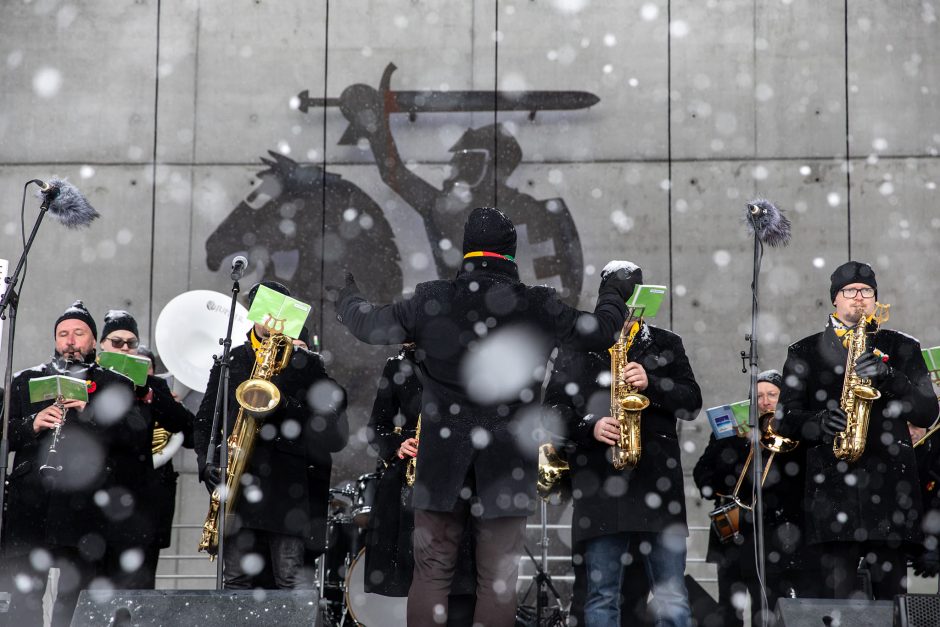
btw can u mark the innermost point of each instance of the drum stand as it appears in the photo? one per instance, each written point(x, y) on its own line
point(545, 616)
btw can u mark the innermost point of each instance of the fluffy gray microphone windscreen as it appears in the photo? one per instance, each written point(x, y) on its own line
point(67, 204)
point(767, 222)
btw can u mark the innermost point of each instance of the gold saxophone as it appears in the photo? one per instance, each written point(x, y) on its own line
point(257, 397)
point(552, 470)
point(857, 393)
point(626, 402)
point(411, 470)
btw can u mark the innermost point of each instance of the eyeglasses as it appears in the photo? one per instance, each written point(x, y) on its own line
point(119, 343)
point(852, 292)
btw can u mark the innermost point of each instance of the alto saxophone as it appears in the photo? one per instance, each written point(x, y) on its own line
point(411, 470)
point(257, 397)
point(626, 402)
point(857, 393)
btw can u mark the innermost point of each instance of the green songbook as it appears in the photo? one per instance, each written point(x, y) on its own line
point(50, 388)
point(280, 313)
point(131, 366)
point(646, 299)
point(932, 358)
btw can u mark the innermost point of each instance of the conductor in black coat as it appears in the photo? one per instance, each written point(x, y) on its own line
point(870, 508)
point(485, 338)
point(614, 509)
point(274, 514)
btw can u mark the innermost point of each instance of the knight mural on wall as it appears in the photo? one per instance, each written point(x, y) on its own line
point(305, 226)
point(549, 250)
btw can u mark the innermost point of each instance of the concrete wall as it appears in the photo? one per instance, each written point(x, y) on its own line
point(159, 111)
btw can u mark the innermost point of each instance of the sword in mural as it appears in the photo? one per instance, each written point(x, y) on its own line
point(429, 101)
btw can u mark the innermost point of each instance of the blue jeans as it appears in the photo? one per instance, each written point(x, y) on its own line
point(664, 562)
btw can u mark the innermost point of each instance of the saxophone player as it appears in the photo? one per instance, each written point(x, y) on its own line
point(616, 510)
point(278, 507)
point(867, 509)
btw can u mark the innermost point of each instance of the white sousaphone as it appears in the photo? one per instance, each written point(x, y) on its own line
point(186, 337)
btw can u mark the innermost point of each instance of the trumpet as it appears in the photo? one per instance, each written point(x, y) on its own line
point(726, 518)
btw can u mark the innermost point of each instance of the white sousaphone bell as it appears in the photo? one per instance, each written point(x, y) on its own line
point(186, 337)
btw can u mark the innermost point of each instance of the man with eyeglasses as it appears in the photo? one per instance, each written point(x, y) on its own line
point(868, 511)
point(154, 488)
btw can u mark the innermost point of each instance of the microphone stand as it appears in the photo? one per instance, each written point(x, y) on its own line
point(10, 301)
point(755, 433)
point(220, 415)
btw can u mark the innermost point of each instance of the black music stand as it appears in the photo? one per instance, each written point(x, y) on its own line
point(557, 617)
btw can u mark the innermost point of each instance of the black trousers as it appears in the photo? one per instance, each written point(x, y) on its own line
point(263, 559)
point(437, 539)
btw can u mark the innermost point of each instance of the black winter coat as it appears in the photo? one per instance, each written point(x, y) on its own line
point(650, 497)
point(165, 411)
point(106, 448)
point(288, 473)
point(878, 497)
point(389, 550)
point(490, 442)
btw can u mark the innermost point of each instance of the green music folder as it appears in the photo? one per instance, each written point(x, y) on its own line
point(932, 358)
point(52, 387)
point(280, 313)
point(131, 366)
point(646, 299)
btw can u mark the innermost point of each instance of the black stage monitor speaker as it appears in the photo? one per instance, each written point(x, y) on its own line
point(916, 610)
point(833, 613)
point(196, 608)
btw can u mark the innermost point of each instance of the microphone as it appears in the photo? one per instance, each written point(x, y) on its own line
point(767, 222)
point(66, 203)
point(239, 265)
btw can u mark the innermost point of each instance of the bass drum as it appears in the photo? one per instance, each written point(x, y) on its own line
point(367, 608)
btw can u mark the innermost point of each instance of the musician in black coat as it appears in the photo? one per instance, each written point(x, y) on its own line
point(389, 557)
point(870, 508)
point(789, 570)
point(120, 334)
point(926, 557)
point(485, 338)
point(274, 513)
point(614, 509)
point(88, 519)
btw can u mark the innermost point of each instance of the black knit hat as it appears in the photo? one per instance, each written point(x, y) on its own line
point(118, 320)
point(852, 272)
point(489, 230)
point(77, 311)
point(771, 376)
point(271, 285)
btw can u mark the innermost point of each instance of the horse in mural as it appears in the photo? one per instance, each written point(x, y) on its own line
point(306, 227)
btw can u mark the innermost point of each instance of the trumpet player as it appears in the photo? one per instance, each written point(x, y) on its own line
point(848, 394)
point(275, 512)
point(72, 509)
point(716, 474)
point(642, 507)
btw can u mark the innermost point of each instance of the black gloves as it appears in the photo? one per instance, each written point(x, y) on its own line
point(927, 564)
point(337, 295)
point(211, 475)
point(620, 278)
point(871, 366)
point(832, 421)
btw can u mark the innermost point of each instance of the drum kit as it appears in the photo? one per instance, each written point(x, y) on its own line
point(342, 567)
